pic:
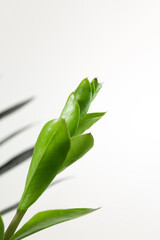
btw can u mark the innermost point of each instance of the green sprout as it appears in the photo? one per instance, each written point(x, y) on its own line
point(60, 143)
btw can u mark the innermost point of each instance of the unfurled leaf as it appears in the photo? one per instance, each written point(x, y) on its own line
point(95, 87)
point(71, 113)
point(88, 121)
point(47, 219)
point(80, 145)
point(1, 229)
point(49, 154)
point(83, 94)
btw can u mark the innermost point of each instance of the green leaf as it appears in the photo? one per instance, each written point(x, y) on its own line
point(71, 113)
point(95, 87)
point(83, 95)
point(88, 121)
point(1, 229)
point(80, 145)
point(49, 154)
point(47, 219)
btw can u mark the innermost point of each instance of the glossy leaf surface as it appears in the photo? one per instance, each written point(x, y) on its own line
point(95, 87)
point(83, 95)
point(1, 229)
point(80, 145)
point(88, 121)
point(50, 151)
point(71, 113)
point(47, 219)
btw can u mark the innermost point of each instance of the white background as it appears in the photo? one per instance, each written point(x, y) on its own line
point(46, 49)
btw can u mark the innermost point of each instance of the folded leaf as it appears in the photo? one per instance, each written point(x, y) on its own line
point(88, 121)
point(80, 145)
point(49, 154)
point(47, 219)
point(71, 113)
point(1, 229)
point(95, 87)
point(83, 95)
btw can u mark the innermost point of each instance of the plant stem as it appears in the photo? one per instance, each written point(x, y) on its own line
point(14, 224)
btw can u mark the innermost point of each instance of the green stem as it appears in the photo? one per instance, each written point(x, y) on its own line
point(14, 224)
